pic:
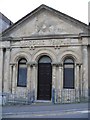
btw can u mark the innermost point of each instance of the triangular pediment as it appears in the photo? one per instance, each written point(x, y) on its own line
point(45, 21)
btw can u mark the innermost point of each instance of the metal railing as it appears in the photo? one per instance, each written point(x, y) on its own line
point(59, 96)
point(71, 96)
point(18, 98)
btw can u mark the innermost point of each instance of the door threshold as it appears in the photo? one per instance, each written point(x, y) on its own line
point(43, 101)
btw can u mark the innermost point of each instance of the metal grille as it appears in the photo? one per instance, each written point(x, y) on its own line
point(59, 96)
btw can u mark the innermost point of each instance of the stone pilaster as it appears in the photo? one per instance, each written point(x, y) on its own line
point(1, 69)
point(77, 77)
point(77, 82)
point(54, 82)
point(14, 79)
point(85, 71)
point(11, 77)
point(7, 71)
point(81, 80)
point(54, 75)
point(34, 80)
point(60, 80)
point(28, 77)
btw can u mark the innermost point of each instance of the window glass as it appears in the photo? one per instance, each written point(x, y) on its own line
point(45, 59)
point(22, 73)
point(68, 74)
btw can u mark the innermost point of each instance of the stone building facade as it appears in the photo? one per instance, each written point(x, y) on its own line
point(44, 57)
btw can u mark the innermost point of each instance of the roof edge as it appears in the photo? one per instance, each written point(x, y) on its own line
point(49, 8)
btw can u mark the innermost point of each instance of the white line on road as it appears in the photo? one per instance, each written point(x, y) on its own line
point(73, 111)
point(85, 111)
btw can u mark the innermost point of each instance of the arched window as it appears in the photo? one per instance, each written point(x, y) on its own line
point(68, 82)
point(22, 73)
point(45, 59)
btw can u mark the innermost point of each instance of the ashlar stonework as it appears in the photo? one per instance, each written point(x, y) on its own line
point(45, 32)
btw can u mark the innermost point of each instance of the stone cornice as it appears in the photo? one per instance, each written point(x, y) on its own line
point(41, 37)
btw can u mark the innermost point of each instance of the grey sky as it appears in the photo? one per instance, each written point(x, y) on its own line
point(16, 9)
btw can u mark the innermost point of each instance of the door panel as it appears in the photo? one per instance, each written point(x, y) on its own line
point(44, 81)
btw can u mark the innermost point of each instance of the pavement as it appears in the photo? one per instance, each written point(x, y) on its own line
point(46, 110)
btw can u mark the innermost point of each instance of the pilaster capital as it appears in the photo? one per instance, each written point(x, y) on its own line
point(60, 65)
point(57, 64)
point(54, 64)
point(8, 49)
point(28, 64)
point(13, 64)
point(78, 64)
point(32, 64)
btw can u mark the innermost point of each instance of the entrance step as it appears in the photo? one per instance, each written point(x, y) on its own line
point(42, 103)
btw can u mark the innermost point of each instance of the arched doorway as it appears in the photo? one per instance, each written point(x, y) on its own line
point(44, 78)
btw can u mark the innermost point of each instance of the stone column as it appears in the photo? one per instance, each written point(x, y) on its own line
point(1, 69)
point(81, 81)
point(77, 82)
point(14, 79)
point(60, 82)
point(77, 77)
point(54, 82)
point(54, 76)
point(28, 77)
point(11, 77)
point(85, 71)
point(29, 81)
point(1, 74)
point(34, 81)
point(7, 71)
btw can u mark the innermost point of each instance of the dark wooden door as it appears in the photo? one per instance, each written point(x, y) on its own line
point(44, 81)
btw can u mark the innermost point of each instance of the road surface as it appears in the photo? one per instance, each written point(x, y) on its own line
point(79, 110)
